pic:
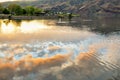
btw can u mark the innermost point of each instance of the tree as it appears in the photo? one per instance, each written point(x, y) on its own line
point(30, 10)
point(1, 8)
point(39, 11)
point(15, 9)
point(24, 12)
point(5, 11)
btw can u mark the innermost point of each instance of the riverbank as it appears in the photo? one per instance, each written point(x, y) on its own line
point(26, 17)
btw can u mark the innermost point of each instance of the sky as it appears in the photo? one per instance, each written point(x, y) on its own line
point(14, 0)
point(7, 0)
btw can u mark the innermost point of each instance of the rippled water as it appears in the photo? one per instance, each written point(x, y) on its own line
point(55, 50)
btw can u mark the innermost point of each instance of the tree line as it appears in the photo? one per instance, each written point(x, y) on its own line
point(15, 9)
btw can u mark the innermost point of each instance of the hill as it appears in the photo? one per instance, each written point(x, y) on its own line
point(83, 7)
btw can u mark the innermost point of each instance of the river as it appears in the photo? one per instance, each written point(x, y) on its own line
point(81, 49)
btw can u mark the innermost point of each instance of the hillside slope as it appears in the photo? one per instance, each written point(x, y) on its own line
point(100, 7)
point(83, 7)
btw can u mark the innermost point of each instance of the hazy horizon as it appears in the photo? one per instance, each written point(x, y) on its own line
point(14, 0)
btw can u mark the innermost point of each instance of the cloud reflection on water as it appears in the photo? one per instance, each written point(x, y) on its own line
point(58, 53)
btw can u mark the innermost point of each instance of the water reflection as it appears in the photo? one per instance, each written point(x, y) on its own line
point(102, 25)
point(52, 50)
point(12, 26)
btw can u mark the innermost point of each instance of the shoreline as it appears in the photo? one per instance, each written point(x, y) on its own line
point(26, 17)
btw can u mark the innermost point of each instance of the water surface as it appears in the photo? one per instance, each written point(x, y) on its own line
point(83, 49)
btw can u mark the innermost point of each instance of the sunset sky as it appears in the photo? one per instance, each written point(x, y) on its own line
point(15, 0)
point(7, 0)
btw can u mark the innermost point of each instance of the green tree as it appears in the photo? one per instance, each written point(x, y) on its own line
point(1, 8)
point(15, 9)
point(5, 11)
point(30, 10)
point(24, 12)
point(38, 10)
